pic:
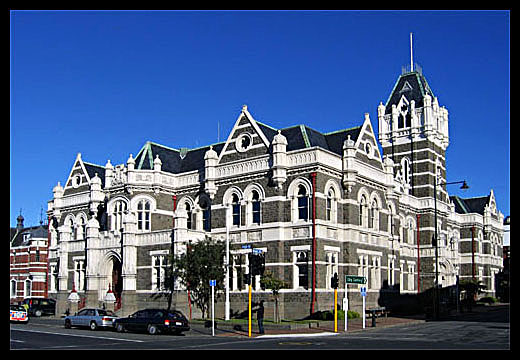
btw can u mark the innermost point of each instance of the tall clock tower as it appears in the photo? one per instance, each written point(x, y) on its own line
point(413, 132)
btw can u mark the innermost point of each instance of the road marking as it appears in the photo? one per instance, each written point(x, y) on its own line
point(86, 336)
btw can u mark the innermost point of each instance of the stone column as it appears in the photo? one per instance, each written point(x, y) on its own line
point(93, 257)
point(129, 271)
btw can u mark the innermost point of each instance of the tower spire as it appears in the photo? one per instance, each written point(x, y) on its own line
point(411, 53)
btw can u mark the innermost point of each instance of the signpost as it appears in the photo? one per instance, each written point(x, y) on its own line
point(353, 279)
point(212, 283)
point(364, 294)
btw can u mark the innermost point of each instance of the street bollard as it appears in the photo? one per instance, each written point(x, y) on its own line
point(373, 318)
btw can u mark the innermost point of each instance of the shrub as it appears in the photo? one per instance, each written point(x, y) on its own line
point(488, 300)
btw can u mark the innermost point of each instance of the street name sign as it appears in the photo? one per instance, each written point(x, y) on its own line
point(354, 279)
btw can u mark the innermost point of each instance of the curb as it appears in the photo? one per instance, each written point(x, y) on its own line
point(296, 335)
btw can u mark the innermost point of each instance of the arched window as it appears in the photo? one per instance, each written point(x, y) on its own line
point(82, 228)
point(27, 288)
point(143, 215)
point(330, 203)
point(373, 215)
point(235, 206)
point(391, 220)
point(256, 210)
point(189, 212)
point(13, 288)
point(206, 214)
point(362, 210)
point(72, 228)
point(410, 230)
point(303, 203)
point(117, 214)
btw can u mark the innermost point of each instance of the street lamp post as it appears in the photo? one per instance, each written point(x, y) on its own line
point(436, 285)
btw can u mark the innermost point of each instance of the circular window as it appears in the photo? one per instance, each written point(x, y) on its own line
point(243, 142)
point(76, 181)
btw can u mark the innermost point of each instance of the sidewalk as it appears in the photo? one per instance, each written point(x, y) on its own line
point(320, 328)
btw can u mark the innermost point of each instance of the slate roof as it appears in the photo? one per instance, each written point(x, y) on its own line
point(184, 160)
point(302, 136)
point(92, 169)
point(39, 232)
point(471, 205)
point(413, 86)
point(173, 160)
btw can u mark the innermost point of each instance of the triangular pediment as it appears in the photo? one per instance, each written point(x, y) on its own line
point(367, 145)
point(79, 179)
point(245, 140)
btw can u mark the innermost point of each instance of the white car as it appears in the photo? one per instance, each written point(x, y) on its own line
point(18, 314)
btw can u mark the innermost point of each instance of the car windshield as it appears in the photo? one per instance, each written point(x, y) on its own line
point(17, 308)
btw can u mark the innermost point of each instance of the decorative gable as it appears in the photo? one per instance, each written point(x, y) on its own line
point(79, 179)
point(245, 140)
point(366, 145)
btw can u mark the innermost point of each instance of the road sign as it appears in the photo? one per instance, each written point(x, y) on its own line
point(213, 283)
point(363, 291)
point(354, 279)
point(246, 246)
point(257, 251)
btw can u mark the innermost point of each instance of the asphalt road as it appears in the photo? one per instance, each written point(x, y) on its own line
point(489, 330)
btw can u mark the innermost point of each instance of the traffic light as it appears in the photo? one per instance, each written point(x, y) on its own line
point(334, 281)
point(257, 264)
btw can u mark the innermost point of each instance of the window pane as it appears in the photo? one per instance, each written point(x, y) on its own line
point(256, 212)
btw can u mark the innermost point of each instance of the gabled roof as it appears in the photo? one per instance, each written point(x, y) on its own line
point(173, 160)
point(471, 205)
point(413, 86)
point(298, 137)
point(36, 232)
point(302, 136)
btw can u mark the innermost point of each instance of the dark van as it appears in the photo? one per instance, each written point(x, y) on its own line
point(39, 306)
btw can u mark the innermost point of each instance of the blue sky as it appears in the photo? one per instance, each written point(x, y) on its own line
point(104, 82)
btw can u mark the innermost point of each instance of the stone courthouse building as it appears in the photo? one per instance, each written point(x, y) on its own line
point(315, 203)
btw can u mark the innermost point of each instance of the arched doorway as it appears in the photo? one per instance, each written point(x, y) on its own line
point(117, 279)
point(111, 276)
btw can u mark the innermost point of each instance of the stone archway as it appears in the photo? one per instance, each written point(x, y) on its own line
point(111, 275)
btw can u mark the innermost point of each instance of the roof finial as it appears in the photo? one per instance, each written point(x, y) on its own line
point(411, 53)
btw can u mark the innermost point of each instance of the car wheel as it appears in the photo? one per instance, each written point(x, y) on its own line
point(152, 329)
point(120, 328)
point(93, 325)
point(38, 313)
point(67, 324)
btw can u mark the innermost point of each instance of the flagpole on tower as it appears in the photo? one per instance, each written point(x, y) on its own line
point(411, 53)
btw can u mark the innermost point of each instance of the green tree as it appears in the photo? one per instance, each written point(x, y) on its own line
point(268, 281)
point(202, 262)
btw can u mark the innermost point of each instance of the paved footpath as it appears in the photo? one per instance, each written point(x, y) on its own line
point(319, 328)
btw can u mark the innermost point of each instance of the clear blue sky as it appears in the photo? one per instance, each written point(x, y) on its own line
point(104, 82)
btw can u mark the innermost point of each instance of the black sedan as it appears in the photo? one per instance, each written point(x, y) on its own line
point(153, 321)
